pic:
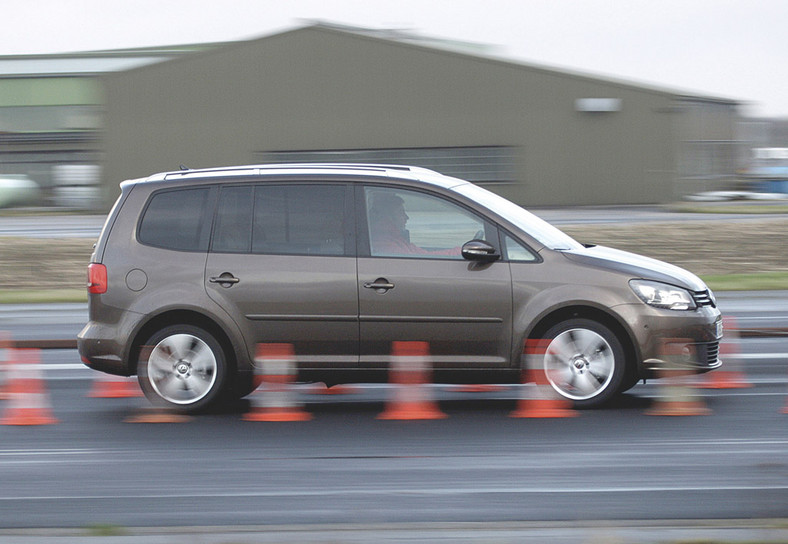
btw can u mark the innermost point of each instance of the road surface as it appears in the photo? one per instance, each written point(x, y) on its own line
point(610, 467)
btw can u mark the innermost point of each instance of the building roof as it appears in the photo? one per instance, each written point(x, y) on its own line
point(91, 63)
point(88, 64)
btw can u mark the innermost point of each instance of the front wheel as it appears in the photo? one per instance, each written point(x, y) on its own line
point(584, 361)
point(183, 367)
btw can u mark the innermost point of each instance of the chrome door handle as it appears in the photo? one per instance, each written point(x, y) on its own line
point(229, 278)
point(381, 285)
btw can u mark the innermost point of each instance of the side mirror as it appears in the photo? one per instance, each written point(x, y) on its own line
point(480, 251)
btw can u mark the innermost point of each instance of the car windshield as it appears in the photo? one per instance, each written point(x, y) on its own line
point(539, 229)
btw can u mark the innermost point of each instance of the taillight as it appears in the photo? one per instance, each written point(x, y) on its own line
point(97, 278)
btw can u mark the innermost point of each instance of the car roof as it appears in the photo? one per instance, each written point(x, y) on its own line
point(347, 170)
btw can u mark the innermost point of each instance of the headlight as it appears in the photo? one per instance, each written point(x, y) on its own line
point(662, 295)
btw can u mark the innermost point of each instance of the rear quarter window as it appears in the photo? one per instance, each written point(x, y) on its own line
point(177, 219)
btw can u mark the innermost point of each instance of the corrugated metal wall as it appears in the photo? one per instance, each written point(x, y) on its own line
point(319, 89)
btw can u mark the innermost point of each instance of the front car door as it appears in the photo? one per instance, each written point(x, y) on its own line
point(414, 283)
point(282, 263)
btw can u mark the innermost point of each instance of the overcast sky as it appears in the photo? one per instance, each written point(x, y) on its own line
point(728, 48)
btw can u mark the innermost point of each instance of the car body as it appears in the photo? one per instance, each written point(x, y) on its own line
point(194, 268)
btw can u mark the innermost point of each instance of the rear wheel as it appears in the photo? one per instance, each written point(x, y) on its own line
point(186, 368)
point(584, 361)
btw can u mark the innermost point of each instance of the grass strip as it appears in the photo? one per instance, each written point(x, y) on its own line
point(32, 296)
point(765, 281)
point(749, 209)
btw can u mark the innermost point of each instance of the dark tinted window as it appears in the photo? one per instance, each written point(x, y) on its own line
point(299, 219)
point(177, 219)
point(233, 231)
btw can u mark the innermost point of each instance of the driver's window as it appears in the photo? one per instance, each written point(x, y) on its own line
point(414, 224)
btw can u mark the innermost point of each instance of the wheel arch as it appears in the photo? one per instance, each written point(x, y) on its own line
point(622, 332)
point(183, 317)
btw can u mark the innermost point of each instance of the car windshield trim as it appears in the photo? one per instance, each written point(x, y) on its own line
point(537, 228)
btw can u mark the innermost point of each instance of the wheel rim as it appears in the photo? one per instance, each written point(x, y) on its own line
point(579, 363)
point(182, 369)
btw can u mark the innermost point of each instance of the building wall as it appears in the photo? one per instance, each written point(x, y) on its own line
point(320, 89)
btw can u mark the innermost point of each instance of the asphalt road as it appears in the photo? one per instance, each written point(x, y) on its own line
point(480, 467)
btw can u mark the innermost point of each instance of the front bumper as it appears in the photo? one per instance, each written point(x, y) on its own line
point(675, 340)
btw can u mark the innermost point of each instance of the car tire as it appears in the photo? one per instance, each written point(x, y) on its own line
point(584, 361)
point(184, 367)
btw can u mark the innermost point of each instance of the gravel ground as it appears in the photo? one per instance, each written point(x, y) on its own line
point(703, 247)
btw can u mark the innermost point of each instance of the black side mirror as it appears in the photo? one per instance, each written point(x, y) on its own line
point(480, 251)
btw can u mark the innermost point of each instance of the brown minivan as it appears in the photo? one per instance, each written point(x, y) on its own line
point(341, 260)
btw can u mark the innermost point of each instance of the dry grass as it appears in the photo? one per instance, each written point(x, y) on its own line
point(35, 263)
point(703, 247)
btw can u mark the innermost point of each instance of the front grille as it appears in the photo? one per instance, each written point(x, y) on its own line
point(702, 298)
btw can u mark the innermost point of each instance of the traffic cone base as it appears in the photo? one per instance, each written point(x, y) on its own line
point(114, 387)
point(157, 415)
point(679, 408)
point(543, 409)
point(724, 379)
point(423, 412)
point(268, 414)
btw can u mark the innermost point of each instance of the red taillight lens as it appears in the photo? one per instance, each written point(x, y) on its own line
point(97, 278)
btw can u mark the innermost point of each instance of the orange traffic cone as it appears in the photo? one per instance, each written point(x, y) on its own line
point(29, 401)
point(5, 350)
point(538, 398)
point(730, 376)
point(155, 412)
point(275, 399)
point(411, 376)
point(677, 396)
point(108, 386)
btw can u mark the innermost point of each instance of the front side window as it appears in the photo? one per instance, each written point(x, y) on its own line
point(405, 223)
point(178, 219)
point(517, 252)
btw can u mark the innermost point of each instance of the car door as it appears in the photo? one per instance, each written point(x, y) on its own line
point(282, 263)
point(414, 283)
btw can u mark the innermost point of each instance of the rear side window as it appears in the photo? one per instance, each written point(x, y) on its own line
point(233, 230)
point(281, 220)
point(299, 219)
point(177, 219)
